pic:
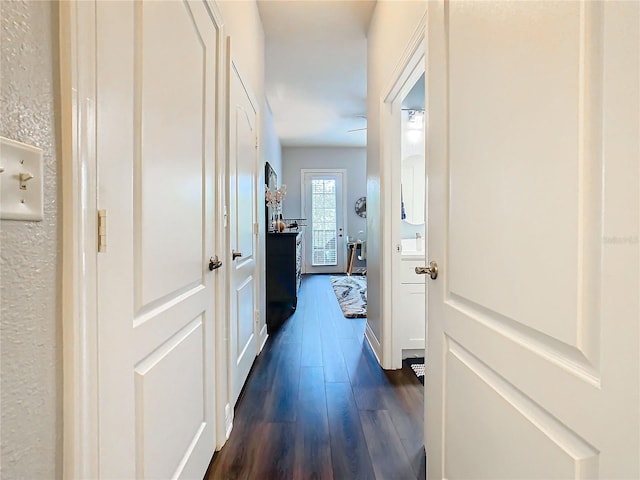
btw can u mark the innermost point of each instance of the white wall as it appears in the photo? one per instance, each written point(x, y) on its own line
point(353, 159)
point(271, 143)
point(30, 321)
point(392, 26)
point(242, 23)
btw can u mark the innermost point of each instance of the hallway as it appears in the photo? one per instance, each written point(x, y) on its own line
point(317, 405)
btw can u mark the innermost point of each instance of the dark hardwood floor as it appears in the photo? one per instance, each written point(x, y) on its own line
point(318, 406)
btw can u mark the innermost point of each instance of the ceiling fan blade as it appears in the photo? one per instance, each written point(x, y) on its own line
point(356, 130)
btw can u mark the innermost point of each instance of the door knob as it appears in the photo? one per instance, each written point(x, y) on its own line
point(431, 270)
point(235, 254)
point(214, 263)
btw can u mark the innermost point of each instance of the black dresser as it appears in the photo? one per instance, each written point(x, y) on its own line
point(284, 257)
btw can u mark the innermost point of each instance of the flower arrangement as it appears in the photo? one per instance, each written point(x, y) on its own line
point(274, 198)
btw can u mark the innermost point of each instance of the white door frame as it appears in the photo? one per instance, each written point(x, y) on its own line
point(303, 195)
point(224, 391)
point(79, 233)
point(393, 106)
point(410, 66)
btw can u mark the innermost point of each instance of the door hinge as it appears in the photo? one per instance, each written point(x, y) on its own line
point(256, 316)
point(256, 228)
point(102, 231)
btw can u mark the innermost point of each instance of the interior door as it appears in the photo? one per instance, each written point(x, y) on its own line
point(243, 232)
point(533, 147)
point(155, 150)
point(323, 208)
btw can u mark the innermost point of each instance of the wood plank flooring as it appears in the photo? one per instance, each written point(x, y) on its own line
point(318, 406)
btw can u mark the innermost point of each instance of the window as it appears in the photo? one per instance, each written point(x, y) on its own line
point(323, 222)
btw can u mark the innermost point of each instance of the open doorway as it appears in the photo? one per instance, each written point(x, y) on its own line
point(409, 228)
point(405, 293)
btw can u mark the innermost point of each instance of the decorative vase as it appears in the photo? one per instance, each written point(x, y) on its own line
point(279, 224)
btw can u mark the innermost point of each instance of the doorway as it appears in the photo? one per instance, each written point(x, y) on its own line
point(138, 237)
point(323, 206)
point(409, 225)
point(243, 164)
point(404, 292)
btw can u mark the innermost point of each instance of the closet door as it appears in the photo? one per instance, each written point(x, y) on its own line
point(243, 232)
point(156, 149)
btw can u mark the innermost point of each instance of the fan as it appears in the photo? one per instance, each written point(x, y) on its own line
point(358, 129)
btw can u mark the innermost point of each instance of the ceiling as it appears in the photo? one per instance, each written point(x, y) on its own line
point(316, 69)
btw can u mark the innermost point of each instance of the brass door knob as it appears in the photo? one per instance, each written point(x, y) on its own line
point(431, 270)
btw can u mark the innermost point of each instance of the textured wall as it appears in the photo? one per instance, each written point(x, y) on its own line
point(30, 330)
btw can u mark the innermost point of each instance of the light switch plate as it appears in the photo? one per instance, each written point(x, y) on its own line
point(20, 199)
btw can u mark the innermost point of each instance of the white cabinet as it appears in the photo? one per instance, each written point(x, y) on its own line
point(409, 318)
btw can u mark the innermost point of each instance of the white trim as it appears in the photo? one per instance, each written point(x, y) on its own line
point(388, 141)
point(390, 100)
point(303, 195)
point(265, 336)
point(228, 421)
point(79, 240)
point(416, 44)
point(374, 343)
point(220, 233)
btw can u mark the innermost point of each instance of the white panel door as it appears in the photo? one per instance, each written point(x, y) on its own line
point(533, 147)
point(323, 208)
point(156, 123)
point(243, 164)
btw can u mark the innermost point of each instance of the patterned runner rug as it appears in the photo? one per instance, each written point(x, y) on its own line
point(351, 293)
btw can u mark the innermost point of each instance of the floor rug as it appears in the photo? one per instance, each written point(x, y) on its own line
point(417, 365)
point(351, 292)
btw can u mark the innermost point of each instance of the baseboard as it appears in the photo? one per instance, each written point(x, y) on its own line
point(263, 333)
point(228, 418)
point(374, 343)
